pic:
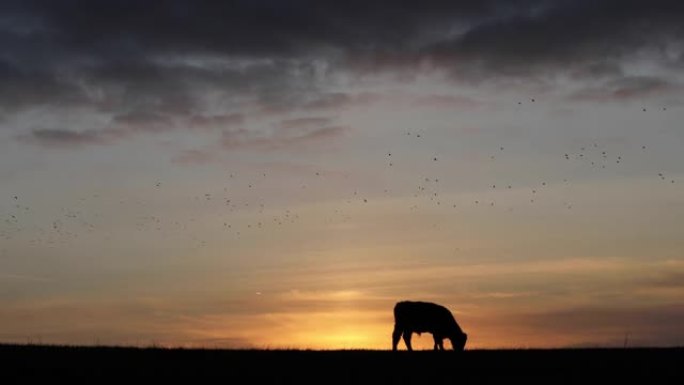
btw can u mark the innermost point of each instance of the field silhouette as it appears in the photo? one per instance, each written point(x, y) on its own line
point(25, 363)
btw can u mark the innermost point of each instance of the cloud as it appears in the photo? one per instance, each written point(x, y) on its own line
point(446, 101)
point(670, 279)
point(136, 321)
point(625, 89)
point(123, 127)
point(319, 101)
point(193, 157)
point(22, 277)
point(561, 35)
point(126, 125)
point(150, 66)
point(341, 100)
point(212, 121)
point(285, 134)
point(469, 37)
point(308, 122)
point(647, 325)
point(24, 87)
point(143, 121)
point(243, 139)
point(55, 137)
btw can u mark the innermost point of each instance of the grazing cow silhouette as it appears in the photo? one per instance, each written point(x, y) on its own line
point(419, 317)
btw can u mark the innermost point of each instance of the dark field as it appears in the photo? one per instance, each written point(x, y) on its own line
point(22, 363)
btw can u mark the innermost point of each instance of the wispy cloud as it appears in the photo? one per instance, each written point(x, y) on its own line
point(56, 137)
point(446, 101)
point(126, 126)
point(22, 277)
point(626, 89)
point(217, 121)
point(242, 139)
point(143, 121)
point(194, 157)
point(608, 326)
point(341, 100)
point(304, 123)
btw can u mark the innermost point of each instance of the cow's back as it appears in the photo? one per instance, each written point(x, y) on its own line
point(423, 317)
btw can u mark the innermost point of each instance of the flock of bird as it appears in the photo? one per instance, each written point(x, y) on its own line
point(238, 214)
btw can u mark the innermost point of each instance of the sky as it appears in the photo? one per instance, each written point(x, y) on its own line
point(278, 174)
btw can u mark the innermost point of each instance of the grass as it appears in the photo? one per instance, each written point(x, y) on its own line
point(23, 363)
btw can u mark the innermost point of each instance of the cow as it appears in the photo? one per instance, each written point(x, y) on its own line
point(419, 317)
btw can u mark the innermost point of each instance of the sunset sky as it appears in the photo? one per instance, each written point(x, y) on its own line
point(278, 174)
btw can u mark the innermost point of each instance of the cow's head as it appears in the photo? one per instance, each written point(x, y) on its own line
point(458, 341)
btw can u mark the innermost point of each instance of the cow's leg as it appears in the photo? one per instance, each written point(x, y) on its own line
point(438, 342)
point(407, 339)
point(396, 335)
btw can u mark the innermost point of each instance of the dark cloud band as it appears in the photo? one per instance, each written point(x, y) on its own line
point(163, 58)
